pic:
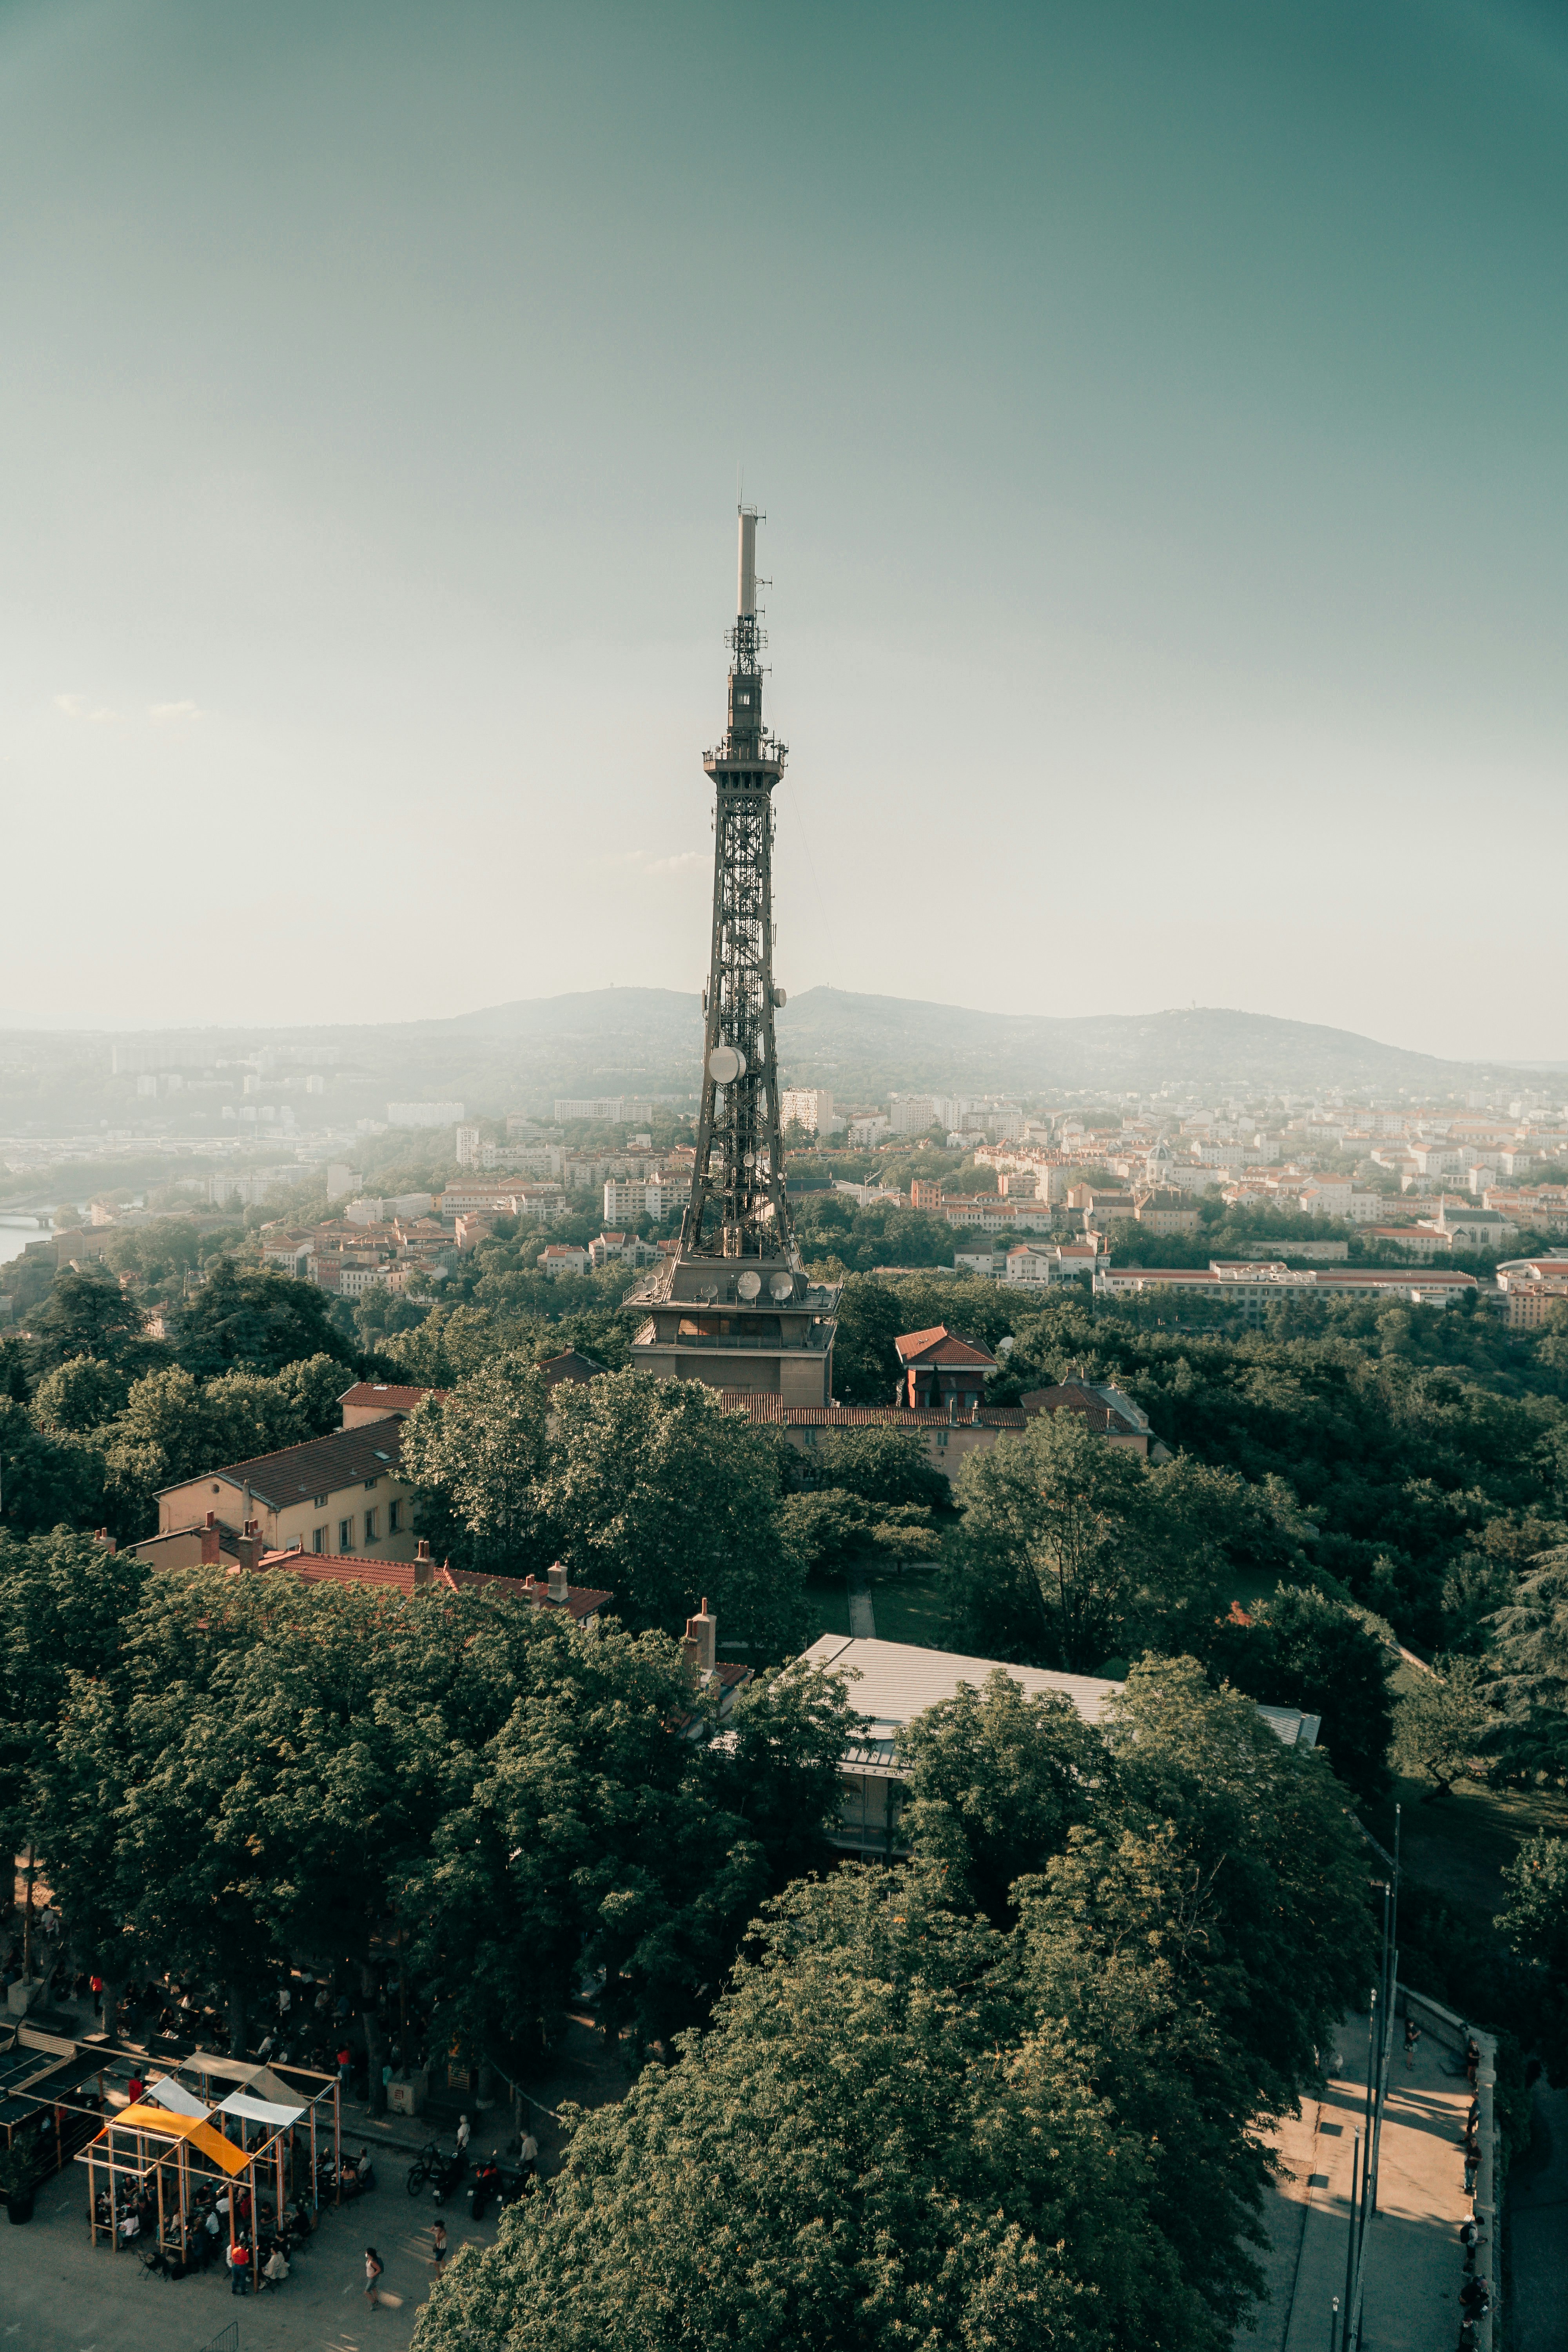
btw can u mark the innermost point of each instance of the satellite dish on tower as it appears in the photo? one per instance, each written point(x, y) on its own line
point(781, 1288)
point(749, 1285)
point(725, 1065)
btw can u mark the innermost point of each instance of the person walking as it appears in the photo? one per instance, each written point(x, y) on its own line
point(239, 2268)
point(462, 2134)
point(1412, 2036)
point(439, 2246)
point(374, 2266)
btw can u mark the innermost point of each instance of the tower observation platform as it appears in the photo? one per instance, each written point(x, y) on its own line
point(733, 1309)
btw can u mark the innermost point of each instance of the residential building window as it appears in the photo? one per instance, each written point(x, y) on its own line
point(393, 1519)
point(370, 1483)
point(318, 1539)
point(345, 1535)
point(371, 1521)
point(320, 1501)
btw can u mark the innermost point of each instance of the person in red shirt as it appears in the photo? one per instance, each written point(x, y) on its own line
point(135, 2087)
point(239, 2268)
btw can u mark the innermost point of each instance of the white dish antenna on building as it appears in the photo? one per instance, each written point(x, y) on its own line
point(749, 1285)
point(781, 1286)
point(725, 1065)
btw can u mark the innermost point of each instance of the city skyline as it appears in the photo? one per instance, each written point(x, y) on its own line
point(1156, 424)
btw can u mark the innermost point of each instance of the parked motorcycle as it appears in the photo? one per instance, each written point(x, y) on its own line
point(494, 2184)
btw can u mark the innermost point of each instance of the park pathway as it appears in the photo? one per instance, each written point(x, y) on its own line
point(1413, 2262)
point(862, 1616)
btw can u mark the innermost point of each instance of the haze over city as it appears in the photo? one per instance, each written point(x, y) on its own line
point(1156, 416)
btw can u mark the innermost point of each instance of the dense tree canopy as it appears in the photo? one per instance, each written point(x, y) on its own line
point(225, 1770)
point(655, 1492)
point(909, 2124)
point(254, 1318)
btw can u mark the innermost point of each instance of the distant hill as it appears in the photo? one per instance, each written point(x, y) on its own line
point(861, 1045)
point(612, 1041)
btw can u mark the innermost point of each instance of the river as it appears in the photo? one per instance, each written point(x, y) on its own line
point(15, 1232)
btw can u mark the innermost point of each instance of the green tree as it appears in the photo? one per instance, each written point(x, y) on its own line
point(1439, 1727)
point(828, 1528)
point(864, 2152)
point(90, 1315)
point(63, 1601)
point(656, 1492)
point(995, 1780)
point(478, 1458)
point(878, 1466)
point(45, 1479)
point(80, 1395)
point(254, 1319)
point(1534, 1918)
point(1305, 1649)
point(1531, 1662)
point(1057, 1520)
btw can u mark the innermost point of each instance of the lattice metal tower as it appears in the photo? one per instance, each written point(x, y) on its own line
point(733, 1308)
point(738, 1207)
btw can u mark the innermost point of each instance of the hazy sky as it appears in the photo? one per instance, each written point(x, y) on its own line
point(1158, 411)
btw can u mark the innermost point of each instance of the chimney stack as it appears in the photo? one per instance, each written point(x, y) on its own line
point(557, 1586)
point(424, 1567)
point(701, 1639)
point(210, 1541)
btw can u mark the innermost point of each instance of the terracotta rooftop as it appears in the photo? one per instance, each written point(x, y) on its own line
point(939, 1346)
point(425, 1576)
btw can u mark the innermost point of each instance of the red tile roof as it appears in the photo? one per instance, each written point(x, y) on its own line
point(939, 1346)
point(411, 1575)
point(1073, 1397)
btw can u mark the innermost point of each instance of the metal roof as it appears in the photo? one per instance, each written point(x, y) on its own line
point(898, 1681)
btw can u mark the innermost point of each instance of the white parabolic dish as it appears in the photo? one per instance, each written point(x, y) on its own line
point(749, 1285)
point(725, 1065)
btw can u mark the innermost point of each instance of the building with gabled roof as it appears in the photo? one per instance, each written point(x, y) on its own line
point(381, 1400)
point(1105, 1411)
point(939, 1366)
point(897, 1681)
point(344, 1492)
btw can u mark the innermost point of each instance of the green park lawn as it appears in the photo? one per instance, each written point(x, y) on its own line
point(908, 1606)
point(1461, 1844)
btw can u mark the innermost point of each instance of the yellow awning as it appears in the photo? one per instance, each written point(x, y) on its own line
point(160, 2124)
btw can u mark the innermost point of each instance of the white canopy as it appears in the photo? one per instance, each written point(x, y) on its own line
point(165, 2091)
point(259, 2111)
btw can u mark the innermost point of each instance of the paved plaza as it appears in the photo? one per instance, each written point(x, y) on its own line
point(56, 2294)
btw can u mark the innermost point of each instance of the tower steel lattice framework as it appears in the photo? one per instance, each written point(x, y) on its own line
point(738, 1207)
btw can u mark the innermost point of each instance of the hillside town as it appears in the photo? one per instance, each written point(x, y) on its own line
point(783, 1419)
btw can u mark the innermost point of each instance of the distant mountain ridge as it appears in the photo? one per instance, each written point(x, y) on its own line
point(648, 1041)
point(864, 1044)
